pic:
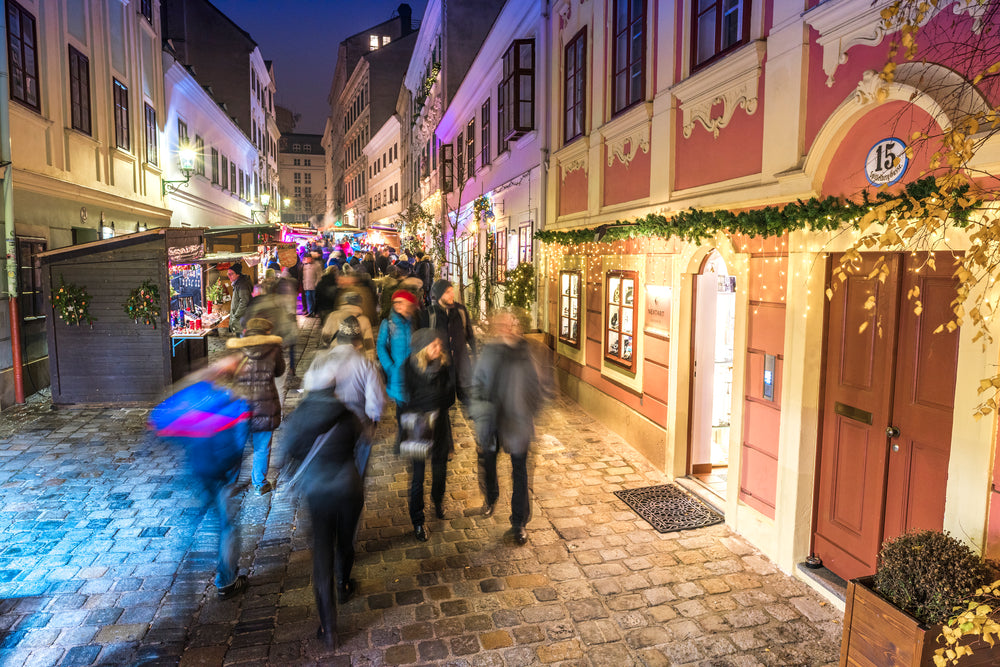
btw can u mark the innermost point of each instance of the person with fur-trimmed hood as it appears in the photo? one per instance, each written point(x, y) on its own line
point(254, 381)
point(350, 305)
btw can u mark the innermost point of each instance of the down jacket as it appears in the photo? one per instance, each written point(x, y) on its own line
point(254, 378)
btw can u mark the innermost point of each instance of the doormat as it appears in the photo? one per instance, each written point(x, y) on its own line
point(667, 508)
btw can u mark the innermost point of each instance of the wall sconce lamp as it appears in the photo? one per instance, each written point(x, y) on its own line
point(265, 199)
point(185, 159)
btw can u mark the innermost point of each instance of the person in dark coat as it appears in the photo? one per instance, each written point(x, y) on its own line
point(424, 269)
point(429, 389)
point(451, 319)
point(326, 292)
point(368, 264)
point(506, 397)
point(334, 493)
point(254, 381)
point(242, 293)
point(382, 262)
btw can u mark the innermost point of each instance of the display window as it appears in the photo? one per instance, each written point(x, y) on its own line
point(569, 307)
point(620, 318)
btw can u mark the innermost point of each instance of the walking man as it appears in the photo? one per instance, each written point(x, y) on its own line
point(451, 320)
point(506, 397)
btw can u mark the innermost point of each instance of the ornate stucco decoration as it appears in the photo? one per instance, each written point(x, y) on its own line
point(868, 88)
point(431, 116)
point(847, 23)
point(626, 146)
point(579, 162)
point(733, 82)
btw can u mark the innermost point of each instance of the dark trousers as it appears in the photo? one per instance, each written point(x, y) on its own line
point(335, 517)
point(439, 469)
point(520, 506)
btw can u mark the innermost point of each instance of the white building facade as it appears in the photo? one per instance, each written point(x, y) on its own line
point(382, 156)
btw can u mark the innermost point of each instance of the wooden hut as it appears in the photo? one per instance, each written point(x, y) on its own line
point(114, 360)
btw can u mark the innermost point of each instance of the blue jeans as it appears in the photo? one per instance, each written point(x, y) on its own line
point(221, 498)
point(309, 305)
point(261, 456)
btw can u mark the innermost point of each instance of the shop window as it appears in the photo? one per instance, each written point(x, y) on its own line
point(629, 53)
point(500, 256)
point(79, 91)
point(620, 319)
point(22, 55)
point(122, 138)
point(718, 27)
point(525, 242)
point(152, 147)
point(517, 90)
point(569, 307)
point(575, 87)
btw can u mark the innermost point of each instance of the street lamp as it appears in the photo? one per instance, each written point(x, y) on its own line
point(186, 157)
point(264, 199)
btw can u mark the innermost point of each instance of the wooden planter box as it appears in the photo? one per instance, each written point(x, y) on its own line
point(878, 634)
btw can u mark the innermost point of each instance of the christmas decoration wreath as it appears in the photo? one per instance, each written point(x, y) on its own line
point(144, 303)
point(71, 303)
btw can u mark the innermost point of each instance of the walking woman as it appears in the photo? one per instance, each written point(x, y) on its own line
point(254, 379)
point(321, 435)
point(430, 391)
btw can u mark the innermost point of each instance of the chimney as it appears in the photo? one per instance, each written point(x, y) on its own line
point(405, 18)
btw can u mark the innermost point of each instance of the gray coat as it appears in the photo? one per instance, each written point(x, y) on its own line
point(506, 396)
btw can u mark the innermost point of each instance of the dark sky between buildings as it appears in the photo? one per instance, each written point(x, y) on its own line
point(301, 37)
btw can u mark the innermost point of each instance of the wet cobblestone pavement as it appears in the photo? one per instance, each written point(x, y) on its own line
point(107, 559)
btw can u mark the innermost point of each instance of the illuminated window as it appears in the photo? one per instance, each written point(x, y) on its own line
point(372, 42)
point(569, 307)
point(620, 318)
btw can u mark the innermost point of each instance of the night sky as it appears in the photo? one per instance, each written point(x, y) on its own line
point(301, 37)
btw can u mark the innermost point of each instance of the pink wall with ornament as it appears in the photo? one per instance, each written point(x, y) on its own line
point(573, 192)
point(625, 183)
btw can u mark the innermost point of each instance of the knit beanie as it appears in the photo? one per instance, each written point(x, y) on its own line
point(439, 288)
point(349, 330)
point(422, 338)
point(258, 326)
point(405, 295)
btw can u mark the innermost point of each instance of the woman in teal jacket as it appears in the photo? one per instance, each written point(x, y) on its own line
point(393, 344)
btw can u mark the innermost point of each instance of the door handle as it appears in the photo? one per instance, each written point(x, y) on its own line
point(892, 431)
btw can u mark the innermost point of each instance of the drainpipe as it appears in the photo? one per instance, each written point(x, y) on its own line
point(8, 218)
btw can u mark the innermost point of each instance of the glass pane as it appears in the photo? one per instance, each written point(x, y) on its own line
point(621, 51)
point(705, 4)
point(706, 37)
point(621, 14)
point(637, 9)
point(731, 23)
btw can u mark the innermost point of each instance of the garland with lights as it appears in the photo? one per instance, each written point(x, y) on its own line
point(143, 303)
point(70, 303)
point(521, 286)
point(827, 214)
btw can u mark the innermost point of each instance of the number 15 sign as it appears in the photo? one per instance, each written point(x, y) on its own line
point(886, 162)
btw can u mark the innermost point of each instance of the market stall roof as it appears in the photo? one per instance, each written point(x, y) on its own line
point(251, 258)
point(259, 227)
point(185, 235)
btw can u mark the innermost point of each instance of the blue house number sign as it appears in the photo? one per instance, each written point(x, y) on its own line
point(886, 162)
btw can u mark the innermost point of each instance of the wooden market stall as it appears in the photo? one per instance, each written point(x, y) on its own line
point(99, 353)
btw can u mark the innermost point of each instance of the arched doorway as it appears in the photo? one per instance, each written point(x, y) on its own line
point(712, 347)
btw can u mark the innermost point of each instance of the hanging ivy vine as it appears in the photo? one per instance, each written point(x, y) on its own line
point(72, 303)
point(143, 303)
point(827, 214)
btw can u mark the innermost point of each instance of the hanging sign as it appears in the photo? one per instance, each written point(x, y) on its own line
point(658, 310)
point(886, 162)
point(187, 253)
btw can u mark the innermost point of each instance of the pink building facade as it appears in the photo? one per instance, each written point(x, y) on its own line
point(722, 361)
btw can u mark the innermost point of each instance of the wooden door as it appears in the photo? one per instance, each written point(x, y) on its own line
point(885, 369)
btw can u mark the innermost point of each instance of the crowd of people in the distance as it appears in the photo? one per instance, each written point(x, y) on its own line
point(389, 331)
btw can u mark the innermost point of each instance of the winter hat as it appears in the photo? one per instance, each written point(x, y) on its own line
point(349, 330)
point(406, 296)
point(422, 338)
point(257, 326)
point(439, 288)
point(237, 268)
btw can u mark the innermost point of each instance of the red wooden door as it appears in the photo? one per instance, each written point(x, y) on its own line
point(890, 373)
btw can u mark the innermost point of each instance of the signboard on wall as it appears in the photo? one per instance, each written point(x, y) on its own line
point(886, 162)
point(658, 299)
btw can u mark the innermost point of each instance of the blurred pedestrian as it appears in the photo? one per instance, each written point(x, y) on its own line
point(320, 437)
point(393, 345)
point(430, 392)
point(356, 379)
point(350, 306)
point(312, 270)
point(254, 381)
point(424, 269)
point(451, 320)
point(242, 293)
point(326, 292)
point(269, 305)
point(506, 397)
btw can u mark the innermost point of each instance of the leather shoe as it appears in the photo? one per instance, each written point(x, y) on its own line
point(488, 509)
point(520, 535)
point(345, 591)
point(420, 533)
point(438, 510)
point(232, 590)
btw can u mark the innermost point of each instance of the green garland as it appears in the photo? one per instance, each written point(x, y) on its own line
point(521, 286)
point(695, 225)
point(70, 303)
point(144, 303)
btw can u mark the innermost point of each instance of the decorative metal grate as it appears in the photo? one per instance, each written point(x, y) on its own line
point(668, 508)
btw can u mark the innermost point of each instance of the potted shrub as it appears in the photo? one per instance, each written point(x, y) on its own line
point(214, 294)
point(908, 613)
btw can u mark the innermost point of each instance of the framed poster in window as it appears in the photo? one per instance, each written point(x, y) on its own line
point(569, 307)
point(620, 318)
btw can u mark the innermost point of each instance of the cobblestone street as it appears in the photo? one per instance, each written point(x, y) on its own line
point(107, 559)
